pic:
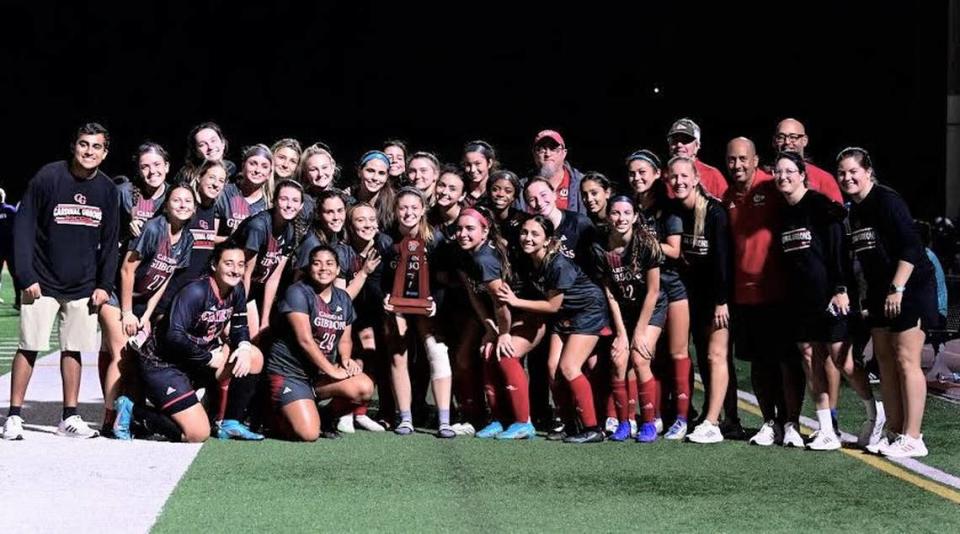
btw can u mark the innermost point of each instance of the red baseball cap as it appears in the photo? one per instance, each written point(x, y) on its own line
point(548, 134)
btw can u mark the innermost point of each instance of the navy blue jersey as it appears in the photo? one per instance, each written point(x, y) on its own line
point(482, 266)
point(371, 295)
point(7, 215)
point(158, 257)
point(708, 265)
point(328, 321)
point(143, 209)
point(202, 228)
point(561, 274)
point(311, 241)
point(392, 256)
point(233, 208)
point(812, 240)
point(67, 233)
point(627, 282)
point(195, 324)
point(576, 235)
point(665, 222)
point(256, 234)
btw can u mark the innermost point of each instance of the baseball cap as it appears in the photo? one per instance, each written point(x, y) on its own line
point(548, 134)
point(685, 127)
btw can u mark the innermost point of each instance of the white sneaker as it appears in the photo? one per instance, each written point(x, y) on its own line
point(75, 427)
point(767, 435)
point(368, 424)
point(824, 441)
point(706, 432)
point(633, 428)
point(13, 428)
point(677, 431)
point(463, 429)
point(792, 437)
point(345, 424)
point(658, 423)
point(886, 438)
point(905, 447)
point(610, 425)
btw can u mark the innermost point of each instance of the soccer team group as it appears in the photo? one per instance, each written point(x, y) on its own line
point(268, 287)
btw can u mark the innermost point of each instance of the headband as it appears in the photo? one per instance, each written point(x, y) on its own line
point(374, 154)
point(645, 155)
point(476, 215)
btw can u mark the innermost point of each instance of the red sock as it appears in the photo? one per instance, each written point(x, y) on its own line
point(466, 396)
point(360, 410)
point(648, 395)
point(632, 396)
point(492, 382)
point(682, 375)
point(583, 398)
point(222, 401)
point(621, 400)
point(657, 396)
point(515, 382)
point(612, 408)
point(340, 406)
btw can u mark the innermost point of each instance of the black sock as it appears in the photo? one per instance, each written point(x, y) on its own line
point(69, 411)
point(14, 410)
point(154, 422)
point(239, 395)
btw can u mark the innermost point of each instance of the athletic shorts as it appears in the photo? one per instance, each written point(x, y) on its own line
point(78, 324)
point(918, 306)
point(759, 333)
point(672, 285)
point(138, 307)
point(631, 314)
point(591, 320)
point(169, 389)
point(819, 327)
point(286, 389)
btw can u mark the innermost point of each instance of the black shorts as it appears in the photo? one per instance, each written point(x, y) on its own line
point(918, 306)
point(286, 389)
point(672, 285)
point(759, 333)
point(169, 389)
point(819, 327)
point(631, 314)
point(592, 320)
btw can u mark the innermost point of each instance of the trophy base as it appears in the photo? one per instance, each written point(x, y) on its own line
point(410, 306)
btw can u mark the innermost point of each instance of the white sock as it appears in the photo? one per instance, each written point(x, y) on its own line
point(878, 407)
point(871, 407)
point(826, 423)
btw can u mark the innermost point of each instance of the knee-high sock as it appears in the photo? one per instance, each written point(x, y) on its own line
point(360, 409)
point(239, 393)
point(682, 397)
point(340, 406)
point(492, 383)
point(583, 399)
point(633, 397)
point(657, 397)
point(515, 382)
point(648, 396)
point(621, 400)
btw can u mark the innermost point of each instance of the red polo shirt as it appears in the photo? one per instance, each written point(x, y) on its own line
point(822, 181)
point(754, 216)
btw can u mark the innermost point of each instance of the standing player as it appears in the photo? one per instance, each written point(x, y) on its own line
point(501, 199)
point(316, 173)
point(596, 190)
point(683, 139)
point(286, 158)
point(66, 245)
point(205, 142)
point(396, 152)
point(374, 186)
point(423, 171)
point(251, 194)
point(479, 160)
point(142, 198)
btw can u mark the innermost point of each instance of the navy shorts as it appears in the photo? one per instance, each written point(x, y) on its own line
point(592, 320)
point(672, 285)
point(285, 389)
point(631, 314)
point(169, 389)
point(819, 327)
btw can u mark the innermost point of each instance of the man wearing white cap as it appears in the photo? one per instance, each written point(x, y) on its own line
point(683, 139)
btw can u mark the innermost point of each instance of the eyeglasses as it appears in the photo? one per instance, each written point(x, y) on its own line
point(785, 172)
point(543, 149)
point(681, 139)
point(789, 137)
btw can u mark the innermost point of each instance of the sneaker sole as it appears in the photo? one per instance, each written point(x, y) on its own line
point(14, 438)
point(76, 436)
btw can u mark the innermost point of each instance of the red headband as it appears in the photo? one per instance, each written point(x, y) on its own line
point(476, 215)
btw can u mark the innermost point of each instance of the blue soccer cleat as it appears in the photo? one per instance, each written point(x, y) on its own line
point(518, 431)
point(233, 429)
point(677, 431)
point(622, 433)
point(647, 434)
point(490, 431)
point(121, 424)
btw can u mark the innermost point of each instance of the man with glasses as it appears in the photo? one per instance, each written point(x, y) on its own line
point(791, 136)
point(683, 139)
point(550, 157)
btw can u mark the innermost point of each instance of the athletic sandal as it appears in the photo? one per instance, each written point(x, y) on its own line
point(518, 431)
point(75, 427)
point(13, 428)
point(121, 424)
point(905, 447)
point(490, 431)
point(768, 434)
point(678, 430)
point(622, 433)
point(405, 428)
point(706, 432)
point(364, 422)
point(824, 441)
point(233, 429)
point(792, 437)
point(648, 433)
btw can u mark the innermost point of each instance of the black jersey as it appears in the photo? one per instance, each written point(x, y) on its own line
point(370, 298)
point(707, 264)
point(142, 210)
point(576, 235)
point(482, 266)
point(233, 208)
point(665, 222)
point(627, 282)
point(202, 228)
point(256, 234)
point(812, 241)
point(158, 257)
point(197, 318)
point(882, 234)
point(328, 321)
point(584, 307)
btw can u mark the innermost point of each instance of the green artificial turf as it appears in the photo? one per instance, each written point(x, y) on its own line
point(9, 323)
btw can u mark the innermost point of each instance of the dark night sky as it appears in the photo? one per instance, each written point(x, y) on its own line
point(353, 74)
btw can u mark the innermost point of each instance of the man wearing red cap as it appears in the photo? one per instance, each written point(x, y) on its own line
point(791, 136)
point(683, 139)
point(550, 156)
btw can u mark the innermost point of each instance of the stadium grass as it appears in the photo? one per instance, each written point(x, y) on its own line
point(9, 323)
point(368, 482)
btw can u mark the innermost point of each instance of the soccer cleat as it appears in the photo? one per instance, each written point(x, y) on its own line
point(732, 429)
point(121, 423)
point(345, 424)
point(824, 441)
point(658, 424)
point(364, 422)
point(768, 434)
point(13, 428)
point(463, 429)
point(791, 437)
point(405, 428)
point(610, 425)
point(706, 432)
point(446, 432)
point(233, 429)
point(75, 427)
point(518, 431)
point(490, 431)
point(648, 433)
point(622, 433)
point(677, 431)
point(587, 436)
point(633, 428)
point(905, 447)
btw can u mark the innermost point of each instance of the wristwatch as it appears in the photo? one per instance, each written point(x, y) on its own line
point(896, 289)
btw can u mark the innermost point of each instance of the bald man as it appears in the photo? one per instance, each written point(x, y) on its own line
point(791, 136)
point(754, 205)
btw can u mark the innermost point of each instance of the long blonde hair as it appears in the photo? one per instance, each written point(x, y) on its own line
point(702, 200)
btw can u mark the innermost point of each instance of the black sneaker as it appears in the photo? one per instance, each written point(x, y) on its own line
point(331, 433)
point(593, 435)
point(557, 432)
point(732, 429)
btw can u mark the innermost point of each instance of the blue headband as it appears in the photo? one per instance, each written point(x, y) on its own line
point(645, 156)
point(374, 154)
point(621, 198)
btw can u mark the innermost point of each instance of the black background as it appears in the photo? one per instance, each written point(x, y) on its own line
point(353, 74)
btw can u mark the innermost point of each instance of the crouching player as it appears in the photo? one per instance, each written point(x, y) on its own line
point(303, 359)
point(188, 348)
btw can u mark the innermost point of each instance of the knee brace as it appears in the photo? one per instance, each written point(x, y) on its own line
point(439, 357)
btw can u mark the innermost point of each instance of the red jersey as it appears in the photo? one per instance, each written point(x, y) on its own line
point(754, 217)
point(823, 182)
point(563, 191)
